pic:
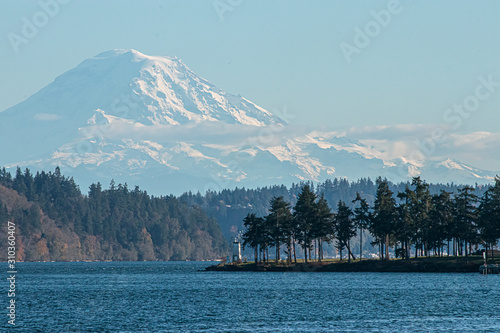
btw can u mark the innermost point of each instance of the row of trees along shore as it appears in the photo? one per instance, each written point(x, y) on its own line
point(409, 220)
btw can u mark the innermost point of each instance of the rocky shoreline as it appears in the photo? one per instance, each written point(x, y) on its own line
point(424, 265)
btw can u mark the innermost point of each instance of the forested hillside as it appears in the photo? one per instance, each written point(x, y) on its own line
point(55, 221)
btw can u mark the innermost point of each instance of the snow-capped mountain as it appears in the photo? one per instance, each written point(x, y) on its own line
point(151, 121)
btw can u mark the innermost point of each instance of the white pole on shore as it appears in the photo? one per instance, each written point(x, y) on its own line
point(485, 270)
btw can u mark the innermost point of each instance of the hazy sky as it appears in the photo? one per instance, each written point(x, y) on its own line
point(328, 63)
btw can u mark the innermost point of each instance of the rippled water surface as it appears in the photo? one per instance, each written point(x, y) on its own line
point(179, 297)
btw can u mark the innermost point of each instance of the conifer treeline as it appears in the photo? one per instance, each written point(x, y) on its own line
point(411, 221)
point(230, 206)
point(59, 223)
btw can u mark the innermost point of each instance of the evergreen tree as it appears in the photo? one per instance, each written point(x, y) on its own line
point(442, 217)
point(324, 228)
point(420, 207)
point(279, 222)
point(466, 218)
point(18, 183)
point(384, 216)
point(362, 219)
point(489, 216)
point(345, 229)
point(253, 235)
point(405, 226)
point(5, 178)
point(305, 215)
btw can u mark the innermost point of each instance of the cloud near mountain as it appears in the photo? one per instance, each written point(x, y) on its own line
point(401, 140)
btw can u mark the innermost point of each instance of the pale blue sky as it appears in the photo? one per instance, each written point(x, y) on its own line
point(281, 54)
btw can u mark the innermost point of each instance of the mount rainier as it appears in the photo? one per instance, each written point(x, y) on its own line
point(151, 121)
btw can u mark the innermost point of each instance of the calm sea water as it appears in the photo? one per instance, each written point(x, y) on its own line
point(178, 297)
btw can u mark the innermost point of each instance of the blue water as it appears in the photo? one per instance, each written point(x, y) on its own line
point(178, 297)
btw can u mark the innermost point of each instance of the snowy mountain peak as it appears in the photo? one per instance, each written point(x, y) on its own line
point(148, 89)
point(451, 164)
point(150, 120)
point(133, 55)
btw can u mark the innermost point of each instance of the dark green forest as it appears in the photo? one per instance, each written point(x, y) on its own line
point(55, 221)
point(231, 206)
point(411, 220)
